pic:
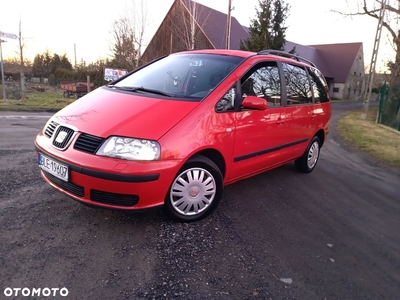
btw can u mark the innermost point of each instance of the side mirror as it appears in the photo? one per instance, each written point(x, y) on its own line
point(253, 102)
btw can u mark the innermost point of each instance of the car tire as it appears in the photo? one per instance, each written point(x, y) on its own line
point(307, 162)
point(195, 191)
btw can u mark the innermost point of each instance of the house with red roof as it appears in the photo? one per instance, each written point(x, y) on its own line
point(191, 25)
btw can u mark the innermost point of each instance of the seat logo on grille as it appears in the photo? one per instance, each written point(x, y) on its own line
point(61, 136)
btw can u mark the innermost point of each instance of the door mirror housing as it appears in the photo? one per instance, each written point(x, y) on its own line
point(253, 102)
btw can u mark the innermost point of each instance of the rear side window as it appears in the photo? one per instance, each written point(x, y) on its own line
point(319, 86)
point(297, 85)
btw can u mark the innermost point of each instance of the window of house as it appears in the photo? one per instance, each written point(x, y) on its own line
point(348, 90)
point(355, 91)
point(336, 90)
point(360, 74)
point(319, 86)
point(297, 84)
point(263, 81)
point(355, 73)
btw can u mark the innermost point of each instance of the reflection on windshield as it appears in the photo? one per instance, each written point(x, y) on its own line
point(187, 76)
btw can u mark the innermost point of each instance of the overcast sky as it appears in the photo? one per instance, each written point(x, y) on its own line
point(58, 25)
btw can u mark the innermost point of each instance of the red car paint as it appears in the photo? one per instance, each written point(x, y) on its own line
point(242, 142)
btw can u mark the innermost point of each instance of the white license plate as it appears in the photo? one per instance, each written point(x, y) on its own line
point(53, 167)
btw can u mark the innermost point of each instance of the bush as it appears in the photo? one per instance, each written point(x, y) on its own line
point(52, 80)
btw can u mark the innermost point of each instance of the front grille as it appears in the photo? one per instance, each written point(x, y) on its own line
point(50, 129)
point(88, 143)
point(113, 199)
point(62, 137)
point(74, 189)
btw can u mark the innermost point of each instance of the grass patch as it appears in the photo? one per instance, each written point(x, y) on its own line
point(50, 100)
point(367, 136)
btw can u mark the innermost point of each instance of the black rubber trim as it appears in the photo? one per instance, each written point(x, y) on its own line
point(269, 150)
point(99, 205)
point(104, 175)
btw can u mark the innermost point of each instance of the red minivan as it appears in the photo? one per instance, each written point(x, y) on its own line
point(173, 133)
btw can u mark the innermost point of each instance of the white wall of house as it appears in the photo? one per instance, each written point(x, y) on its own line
point(354, 87)
point(337, 90)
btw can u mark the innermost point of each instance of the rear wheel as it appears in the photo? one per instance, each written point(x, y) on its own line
point(308, 161)
point(195, 191)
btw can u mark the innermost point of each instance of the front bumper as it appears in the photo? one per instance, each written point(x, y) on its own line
point(108, 182)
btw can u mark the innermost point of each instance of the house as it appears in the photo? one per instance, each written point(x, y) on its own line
point(191, 25)
point(342, 65)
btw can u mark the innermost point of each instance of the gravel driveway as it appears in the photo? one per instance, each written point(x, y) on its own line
point(331, 234)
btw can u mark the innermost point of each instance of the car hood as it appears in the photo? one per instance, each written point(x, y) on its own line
point(106, 112)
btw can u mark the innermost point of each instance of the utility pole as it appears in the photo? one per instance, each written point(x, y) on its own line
point(9, 36)
point(228, 26)
point(75, 55)
point(373, 61)
point(3, 84)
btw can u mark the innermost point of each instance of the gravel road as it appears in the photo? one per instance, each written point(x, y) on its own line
point(331, 234)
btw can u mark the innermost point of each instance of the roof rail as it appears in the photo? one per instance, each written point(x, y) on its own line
point(285, 54)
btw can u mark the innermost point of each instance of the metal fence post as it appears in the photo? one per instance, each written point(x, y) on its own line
point(381, 100)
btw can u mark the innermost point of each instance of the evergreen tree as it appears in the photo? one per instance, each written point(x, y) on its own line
point(65, 63)
point(267, 30)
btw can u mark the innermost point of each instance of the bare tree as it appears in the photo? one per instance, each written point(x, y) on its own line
point(20, 53)
point(390, 22)
point(187, 23)
point(124, 49)
point(128, 34)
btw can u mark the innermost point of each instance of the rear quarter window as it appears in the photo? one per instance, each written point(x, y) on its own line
point(297, 85)
point(319, 86)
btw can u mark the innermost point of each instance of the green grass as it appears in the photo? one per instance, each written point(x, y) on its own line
point(371, 138)
point(50, 100)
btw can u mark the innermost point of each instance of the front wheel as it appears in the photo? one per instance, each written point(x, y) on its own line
point(308, 161)
point(195, 191)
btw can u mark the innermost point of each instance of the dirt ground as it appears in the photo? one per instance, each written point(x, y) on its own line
point(331, 234)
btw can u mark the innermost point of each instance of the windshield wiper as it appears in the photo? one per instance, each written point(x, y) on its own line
point(140, 89)
point(123, 88)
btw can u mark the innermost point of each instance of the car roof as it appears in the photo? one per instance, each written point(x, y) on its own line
point(246, 54)
point(239, 53)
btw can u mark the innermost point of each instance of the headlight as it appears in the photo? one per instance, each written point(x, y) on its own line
point(131, 149)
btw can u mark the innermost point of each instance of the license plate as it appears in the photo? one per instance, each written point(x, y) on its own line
point(53, 167)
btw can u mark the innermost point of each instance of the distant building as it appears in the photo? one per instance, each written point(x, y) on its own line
point(190, 25)
point(177, 34)
point(341, 64)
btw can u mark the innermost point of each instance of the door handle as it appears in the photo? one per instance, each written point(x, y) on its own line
point(280, 121)
point(313, 116)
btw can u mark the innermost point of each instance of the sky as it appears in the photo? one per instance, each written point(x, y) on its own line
point(58, 26)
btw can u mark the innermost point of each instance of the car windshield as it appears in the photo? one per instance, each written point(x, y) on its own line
point(185, 76)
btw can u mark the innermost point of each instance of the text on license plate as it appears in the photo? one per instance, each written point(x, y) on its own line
point(53, 167)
